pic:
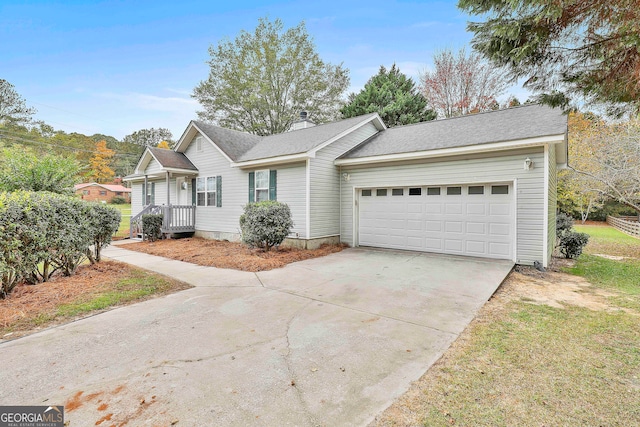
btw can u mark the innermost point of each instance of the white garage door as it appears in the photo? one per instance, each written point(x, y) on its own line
point(474, 220)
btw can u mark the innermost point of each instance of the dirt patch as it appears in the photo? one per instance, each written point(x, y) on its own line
point(234, 255)
point(33, 307)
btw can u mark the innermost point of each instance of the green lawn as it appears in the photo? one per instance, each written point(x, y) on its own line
point(534, 365)
point(125, 212)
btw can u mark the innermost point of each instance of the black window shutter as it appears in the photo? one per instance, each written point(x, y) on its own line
point(252, 187)
point(153, 193)
point(193, 191)
point(273, 181)
point(218, 191)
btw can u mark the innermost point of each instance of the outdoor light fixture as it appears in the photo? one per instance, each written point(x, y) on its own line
point(528, 164)
point(346, 176)
point(184, 185)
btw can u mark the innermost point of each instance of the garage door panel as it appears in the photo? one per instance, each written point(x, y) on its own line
point(435, 244)
point(499, 209)
point(453, 245)
point(499, 250)
point(476, 247)
point(462, 224)
point(453, 227)
point(476, 228)
point(433, 225)
point(453, 208)
point(476, 209)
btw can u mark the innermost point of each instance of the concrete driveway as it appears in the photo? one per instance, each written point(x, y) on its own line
point(329, 341)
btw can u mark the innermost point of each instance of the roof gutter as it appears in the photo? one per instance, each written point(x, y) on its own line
point(470, 149)
point(300, 157)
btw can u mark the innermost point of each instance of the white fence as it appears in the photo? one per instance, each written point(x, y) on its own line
point(629, 224)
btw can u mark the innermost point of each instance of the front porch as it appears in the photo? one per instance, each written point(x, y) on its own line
point(175, 219)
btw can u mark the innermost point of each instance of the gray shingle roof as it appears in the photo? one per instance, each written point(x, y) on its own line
point(241, 146)
point(232, 142)
point(524, 122)
point(172, 159)
point(299, 141)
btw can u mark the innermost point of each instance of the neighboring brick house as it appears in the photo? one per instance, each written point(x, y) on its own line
point(102, 192)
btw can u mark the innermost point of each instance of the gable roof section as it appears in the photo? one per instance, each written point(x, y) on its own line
point(171, 159)
point(232, 142)
point(513, 124)
point(241, 147)
point(302, 140)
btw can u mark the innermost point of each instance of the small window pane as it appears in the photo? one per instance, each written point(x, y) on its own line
point(201, 199)
point(262, 195)
point(454, 191)
point(397, 192)
point(200, 184)
point(476, 189)
point(499, 189)
point(415, 191)
point(211, 183)
point(262, 179)
point(381, 192)
point(211, 199)
point(366, 192)
point(433, 191)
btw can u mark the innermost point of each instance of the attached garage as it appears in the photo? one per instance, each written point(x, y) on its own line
point(473, 219)
point(481, 185)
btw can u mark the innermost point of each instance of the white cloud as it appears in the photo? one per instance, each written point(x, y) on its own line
point(153, 102)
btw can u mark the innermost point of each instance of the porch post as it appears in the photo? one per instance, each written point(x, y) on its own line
point(146, 192)
point(168, 189)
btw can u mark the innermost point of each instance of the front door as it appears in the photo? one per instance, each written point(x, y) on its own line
point(183, 191)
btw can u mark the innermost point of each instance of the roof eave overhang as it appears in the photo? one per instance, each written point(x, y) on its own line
point(453, 151)
point(269, 161)
point(299, 157)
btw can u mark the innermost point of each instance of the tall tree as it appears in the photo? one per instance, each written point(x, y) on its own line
point(13, 108)
point(22, 169)
point(149, 137)
point(260, 81)
point(393, 96)
point(100, 164)
point(606, 156)
point(564, 49)
point(462, 84)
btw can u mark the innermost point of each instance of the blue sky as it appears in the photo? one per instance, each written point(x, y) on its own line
point(114, 67)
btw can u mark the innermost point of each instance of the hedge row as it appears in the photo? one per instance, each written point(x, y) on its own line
point(41, 233)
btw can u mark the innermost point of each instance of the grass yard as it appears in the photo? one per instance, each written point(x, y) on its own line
point(93, 289)
point(549, 349)
point(125, 212)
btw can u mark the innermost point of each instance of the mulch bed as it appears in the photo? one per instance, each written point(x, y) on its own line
point(225, 254)
point(26, 303)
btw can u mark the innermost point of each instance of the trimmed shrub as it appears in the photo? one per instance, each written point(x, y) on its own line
point(105, 221)
point(152, 227)
point(118, 200)
point(265, 224)
point(41, 233)
point(572, 243)
point(564, 224)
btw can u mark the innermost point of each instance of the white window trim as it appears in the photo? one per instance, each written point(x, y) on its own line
point(206, 190)
point(256, 188)
point(199, 140)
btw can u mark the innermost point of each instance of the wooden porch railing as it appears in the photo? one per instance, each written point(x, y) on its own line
point(625, 224)
point(175, 219)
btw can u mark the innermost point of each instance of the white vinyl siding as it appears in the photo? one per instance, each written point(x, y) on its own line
point(290, 189)
point(153, 167)
point(553, 199)
point(325, 182)
point(487, 168)
point(210, 162)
